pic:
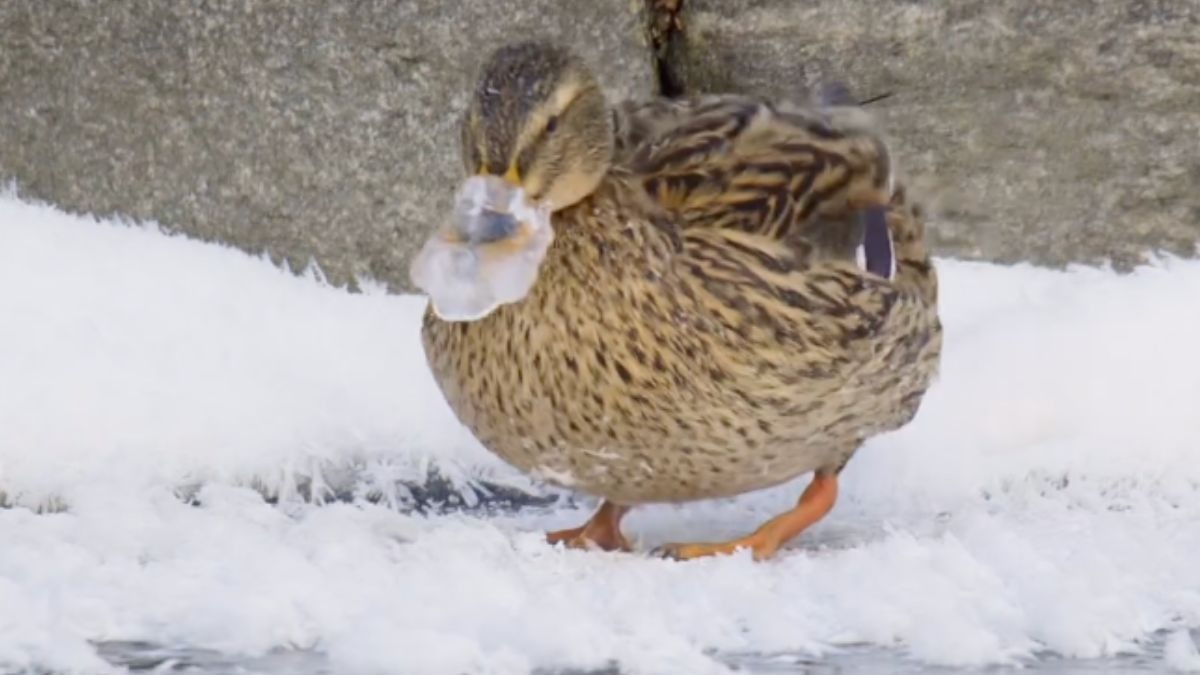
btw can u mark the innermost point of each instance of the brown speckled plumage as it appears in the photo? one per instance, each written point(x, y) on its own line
point(700, 327)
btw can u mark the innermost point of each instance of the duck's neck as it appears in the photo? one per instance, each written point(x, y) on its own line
point(607, 236)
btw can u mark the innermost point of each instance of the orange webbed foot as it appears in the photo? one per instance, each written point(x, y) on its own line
point(765, 542)
point(602, 532)
point(761, 548)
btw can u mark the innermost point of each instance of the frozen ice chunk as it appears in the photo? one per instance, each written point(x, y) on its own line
point(488, 255)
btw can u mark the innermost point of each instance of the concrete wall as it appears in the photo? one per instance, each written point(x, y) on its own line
point(1052, 131)
point(309, 128)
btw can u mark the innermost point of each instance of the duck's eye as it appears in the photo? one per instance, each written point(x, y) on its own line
point(552, 124)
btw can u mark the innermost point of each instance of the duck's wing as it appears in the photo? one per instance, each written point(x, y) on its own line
point(788, 217)
point(805, 175)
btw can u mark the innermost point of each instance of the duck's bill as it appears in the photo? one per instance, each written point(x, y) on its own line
point(487, 256)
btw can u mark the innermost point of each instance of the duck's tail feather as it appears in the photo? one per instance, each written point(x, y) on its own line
point(914, 268)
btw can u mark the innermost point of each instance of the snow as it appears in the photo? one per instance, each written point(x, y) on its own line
point(144, 360)
point(1181, 653)
point(1045, 499)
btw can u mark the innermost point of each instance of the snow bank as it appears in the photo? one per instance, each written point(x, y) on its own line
point(1046, 498)
point(134, 358)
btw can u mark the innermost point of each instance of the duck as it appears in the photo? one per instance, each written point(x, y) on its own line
point(738, 292)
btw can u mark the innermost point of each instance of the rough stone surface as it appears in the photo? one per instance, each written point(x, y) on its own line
point(1057, 131)
point(310, 129)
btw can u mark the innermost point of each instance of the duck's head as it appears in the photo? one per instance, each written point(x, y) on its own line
point(536, 137)
point(537, 120)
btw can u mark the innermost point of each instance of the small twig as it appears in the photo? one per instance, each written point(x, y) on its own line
point(873, 99)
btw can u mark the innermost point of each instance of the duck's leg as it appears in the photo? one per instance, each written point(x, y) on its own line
point(603, 531)
point(817, 500)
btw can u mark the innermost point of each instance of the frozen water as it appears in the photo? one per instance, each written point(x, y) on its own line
point(1045, 502)
point(1181, 653)
point(488, 256)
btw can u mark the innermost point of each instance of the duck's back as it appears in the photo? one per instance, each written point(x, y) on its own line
point(797, 174)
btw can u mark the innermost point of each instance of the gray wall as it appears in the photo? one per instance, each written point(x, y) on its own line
point(308, 128)
point(1048, 131)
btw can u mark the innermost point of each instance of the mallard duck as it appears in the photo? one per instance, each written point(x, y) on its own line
point(703, 323)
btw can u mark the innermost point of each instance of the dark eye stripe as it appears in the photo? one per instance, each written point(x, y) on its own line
point(526, 156)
